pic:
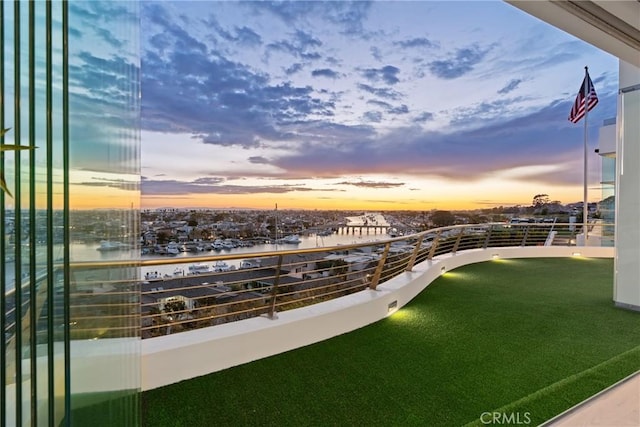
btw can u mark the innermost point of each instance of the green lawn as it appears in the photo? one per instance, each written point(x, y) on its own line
point(532, 336)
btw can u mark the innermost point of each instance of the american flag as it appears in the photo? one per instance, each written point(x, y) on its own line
point(578, 110)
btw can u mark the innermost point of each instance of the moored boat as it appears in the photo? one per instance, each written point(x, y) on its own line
point(291, 239)
point(108, 245)
point(221, 266)
point(199, 268)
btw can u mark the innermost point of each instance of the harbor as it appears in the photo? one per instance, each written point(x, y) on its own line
point(184, 259)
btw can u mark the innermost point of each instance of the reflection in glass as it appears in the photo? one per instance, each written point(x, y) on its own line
point(70, 346)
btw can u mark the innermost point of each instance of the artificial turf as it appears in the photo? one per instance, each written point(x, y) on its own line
point(528, 337)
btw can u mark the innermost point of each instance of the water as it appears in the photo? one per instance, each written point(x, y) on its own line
point(87, 252)
point(307, 242)
point(84, 252)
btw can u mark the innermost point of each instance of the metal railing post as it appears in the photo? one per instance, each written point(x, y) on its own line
point(457, 243)
point(434, 245)
point(376, 275)
point(526, 234)
point(274, 289)
point(414, 255)
point(488, 239)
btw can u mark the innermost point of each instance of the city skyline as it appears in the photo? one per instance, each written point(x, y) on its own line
point(366, 105)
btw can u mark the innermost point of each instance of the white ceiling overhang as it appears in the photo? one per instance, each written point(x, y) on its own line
point(613, 26)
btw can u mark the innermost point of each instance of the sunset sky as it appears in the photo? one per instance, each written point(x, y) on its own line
point(367, 105)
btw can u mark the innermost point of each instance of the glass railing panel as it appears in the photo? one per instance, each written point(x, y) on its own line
point(103, 212)
point(33, 390)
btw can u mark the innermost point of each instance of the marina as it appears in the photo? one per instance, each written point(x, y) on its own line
point(364, 228)
point(185, 259)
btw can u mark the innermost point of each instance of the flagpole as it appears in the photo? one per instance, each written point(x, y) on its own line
point(585, 206)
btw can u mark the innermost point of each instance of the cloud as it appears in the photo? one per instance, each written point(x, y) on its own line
point(329, 134)
point(375, 52)
point(325, 72)
point(512, 85)
point(381, 104)
point(300, 45)
point(246, 36)
point(423, 117)
point(375, 116)
point(120, 184)
point(107, 74)
point(401, 109)
point(306, 40)
point(372, 116)
point(183, 41)
point(208, 180)
point(387, 74)
point(418, 42)
point(459, 63)
point(259, 160)
point(160, 42)
point(203, 92)
point(384, 92)
point(283, 46)
point(209, 185)
point(482, 113)
point(100, 15)
point(348, 16)
point(293, 68)
point(536, 52)
point(371, 184)
point(243, 36)
point(109, 37)
point(463, 155)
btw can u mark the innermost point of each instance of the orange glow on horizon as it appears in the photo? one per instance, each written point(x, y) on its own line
point(85, 197)
point(309, 202)
point(445, 196)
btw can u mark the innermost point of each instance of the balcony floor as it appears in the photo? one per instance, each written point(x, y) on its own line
point(618, 406)
point(519, 338)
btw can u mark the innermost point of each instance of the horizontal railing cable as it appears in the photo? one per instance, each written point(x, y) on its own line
point(265, 282)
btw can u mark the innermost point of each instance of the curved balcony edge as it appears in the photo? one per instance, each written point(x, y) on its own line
point(173, 358)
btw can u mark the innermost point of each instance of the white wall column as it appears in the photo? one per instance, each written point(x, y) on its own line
point(627, 240)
